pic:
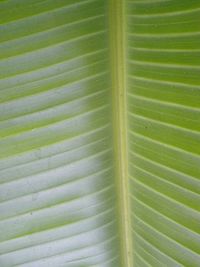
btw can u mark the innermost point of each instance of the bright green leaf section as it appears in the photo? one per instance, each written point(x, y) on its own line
point(164, 119)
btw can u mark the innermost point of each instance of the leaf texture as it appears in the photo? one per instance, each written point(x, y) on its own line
point(164, 118)
point(99, 133)
point(57, 190)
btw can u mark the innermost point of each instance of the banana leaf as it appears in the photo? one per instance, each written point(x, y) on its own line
point(99, 133)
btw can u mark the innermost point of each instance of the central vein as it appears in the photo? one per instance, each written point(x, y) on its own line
point(118, 65)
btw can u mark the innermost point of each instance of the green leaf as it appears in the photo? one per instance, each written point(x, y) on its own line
point(99, 133)
point(164, 118)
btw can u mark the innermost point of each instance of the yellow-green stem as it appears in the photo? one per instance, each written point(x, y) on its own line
point(118, 66)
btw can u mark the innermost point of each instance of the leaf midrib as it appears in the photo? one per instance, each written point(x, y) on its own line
point(118, 71)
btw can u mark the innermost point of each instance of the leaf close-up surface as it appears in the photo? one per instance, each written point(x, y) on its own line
point(99, 133)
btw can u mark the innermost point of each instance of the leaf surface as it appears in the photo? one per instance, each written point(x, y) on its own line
point(99, 133)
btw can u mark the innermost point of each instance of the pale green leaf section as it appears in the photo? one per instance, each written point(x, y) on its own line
point(164, 124)
point(57, 185)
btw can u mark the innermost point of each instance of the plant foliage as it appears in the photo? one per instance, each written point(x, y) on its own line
point(99, 133)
